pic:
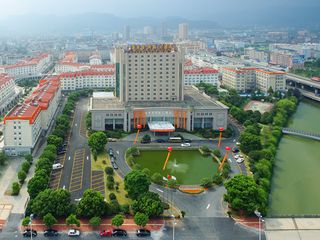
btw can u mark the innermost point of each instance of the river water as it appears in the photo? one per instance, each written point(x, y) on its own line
point(296, 178)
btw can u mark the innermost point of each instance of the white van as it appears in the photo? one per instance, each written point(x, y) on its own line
point(57, 166)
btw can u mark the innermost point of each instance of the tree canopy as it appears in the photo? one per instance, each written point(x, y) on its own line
point(136, 183)
point(92, 204)
point(148, 203)
point(97, 141)
point(244, 194)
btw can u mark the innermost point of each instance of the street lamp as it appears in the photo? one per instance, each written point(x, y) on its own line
point(30, 223)
point(174, 223)
point(258, 214)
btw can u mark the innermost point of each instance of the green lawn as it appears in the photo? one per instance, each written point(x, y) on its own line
point(102, 162)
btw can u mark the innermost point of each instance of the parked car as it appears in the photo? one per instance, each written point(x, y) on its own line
point(73, 233)
point(237, 143)
point(110, 151)
point(143, 233)
point(185, 144)
point(114, 165)
point(50, 233)
point(112, 159)
point(240, 160)
point(160, 141)
point(144, 142)
point(187, 140)
point(119, 233)
point(57, 166)
point(62, 152)
point(235, 150)
point(112, 139)
point(105, 233)
point(29, 232)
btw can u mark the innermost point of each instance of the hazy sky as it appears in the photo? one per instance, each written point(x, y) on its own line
point(192, 9)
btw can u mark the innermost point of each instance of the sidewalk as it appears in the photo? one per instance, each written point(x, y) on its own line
point(129, 225)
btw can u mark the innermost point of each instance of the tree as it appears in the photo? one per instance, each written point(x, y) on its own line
point(3, 158)
point(217, 153)
point(147, 172)
point(63, 120)
point(97, 141)
point(29, 158)
point(117, 220)
point(244, 194)
point(36, 185)
point(249, 142)
point(57, 202)
point(141, 219)
point(26, 221)
point(148, 203)
point(157, 178)
point(92, 204)
point(146, 138)
point(25, 166)
point(136, 183)
point(51, 148)
point(49, 220)
point(134, 151)
point(95, 221)
point(59, 132)
point(217, 179)
point(206, 183)
point(22, 176)
point(109, 170)
point(55, 140)
point(73, 220)
point(44, 164)
point(49, 155)
point(15, 188)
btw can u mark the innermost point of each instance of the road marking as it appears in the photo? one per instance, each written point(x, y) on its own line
point(229, 159)
point(159, 190)
point(88, 158)
point(75, 124)
point(208, 206)
point(64, 187)
point(118, 152)
point(69, 158)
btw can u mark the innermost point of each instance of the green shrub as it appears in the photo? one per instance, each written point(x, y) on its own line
point(110, 178)
point(15, 188)
point(206, 183)
point(109, 170)
point(22, 176)
point(25, 166)
point(112, 196)
point(157, 178)
point(110, 185)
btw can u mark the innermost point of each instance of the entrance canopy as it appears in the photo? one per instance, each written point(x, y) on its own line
point(161, 127)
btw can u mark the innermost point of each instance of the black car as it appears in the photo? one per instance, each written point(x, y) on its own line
point(143, 233)
point(28, 232)
point(187, 140)
point(50, 233)
point(160, 141)
point(62, 152)
point(119, 233)
point(235, 150)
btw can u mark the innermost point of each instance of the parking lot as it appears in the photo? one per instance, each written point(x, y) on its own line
point(77, 170)
point(55, 176)
point(82, 128)
point(97, 181)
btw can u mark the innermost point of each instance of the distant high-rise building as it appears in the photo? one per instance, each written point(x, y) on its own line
point(126, 34)
point(183, 31)
point(164, 30)
point(147, 30)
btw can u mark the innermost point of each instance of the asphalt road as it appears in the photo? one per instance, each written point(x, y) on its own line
point(76, 173)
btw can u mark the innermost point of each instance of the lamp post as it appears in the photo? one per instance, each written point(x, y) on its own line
point(173, 225)
point(258, 214)
point(139, 126)
point(224, 158)
point(169, 149)
point(221, 129)
point(30, 223)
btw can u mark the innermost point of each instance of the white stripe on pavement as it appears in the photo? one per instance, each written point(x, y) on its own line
point(208, 206)
point(159, 190)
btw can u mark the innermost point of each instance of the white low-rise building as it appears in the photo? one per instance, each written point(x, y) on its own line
point(9, 93)
point(28, 67)
point(87, 79)
point(205, 75)
point(25, 123)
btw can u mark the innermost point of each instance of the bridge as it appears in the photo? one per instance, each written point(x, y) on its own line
point(300, 133)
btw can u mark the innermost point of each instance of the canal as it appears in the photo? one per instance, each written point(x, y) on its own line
point(296, 179)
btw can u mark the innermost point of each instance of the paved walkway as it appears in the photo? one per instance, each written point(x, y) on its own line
point(292, 228)
point(131, 137)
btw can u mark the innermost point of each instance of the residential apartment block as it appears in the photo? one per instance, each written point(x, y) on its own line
point(27, 67)
point(246, 79)
point(25, 123)
point(9, 92)
point(198, 75)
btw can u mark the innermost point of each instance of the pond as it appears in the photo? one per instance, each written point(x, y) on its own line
point(188, 166)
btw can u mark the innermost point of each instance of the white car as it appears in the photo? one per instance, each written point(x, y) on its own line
point(236, 156)
point(57, 166)
point(237, 143)
point(73, 233)
point(185, 144)
point(240, 160)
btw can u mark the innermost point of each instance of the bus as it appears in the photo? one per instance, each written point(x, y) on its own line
point(175, 140)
